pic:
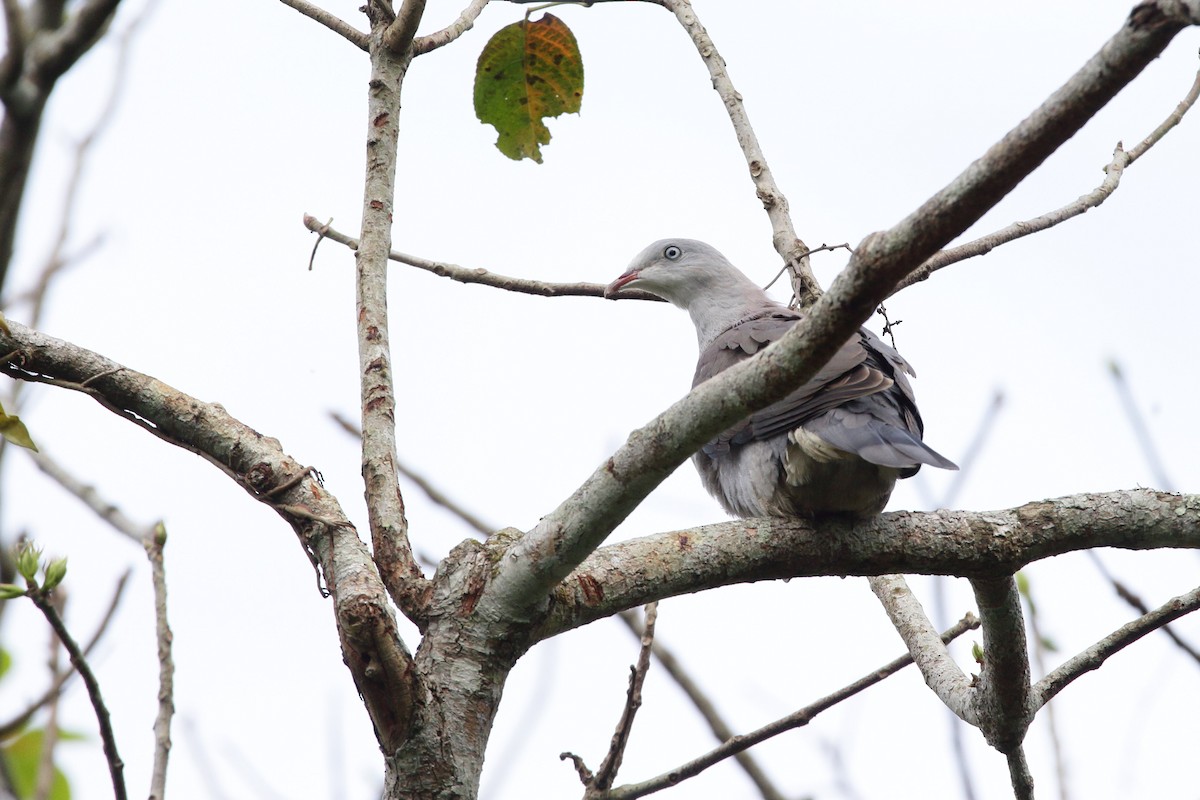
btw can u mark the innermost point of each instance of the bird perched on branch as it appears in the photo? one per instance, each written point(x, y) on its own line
point(835, 445)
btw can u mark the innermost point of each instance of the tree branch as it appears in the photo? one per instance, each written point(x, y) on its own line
point(1112, 179)
point(371, 647)
point(116, 767)
point(996, 543)
point(385, 506)
point(400, 32)
point(1002, 697)
point(464, 23)
point(794, 720)
point(154, 543)
point(480, 275)
point(334, 23)
point(1122, 637)
point(716, 723)
point(789, 246)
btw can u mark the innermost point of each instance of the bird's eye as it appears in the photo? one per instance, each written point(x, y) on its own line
point(672, 253)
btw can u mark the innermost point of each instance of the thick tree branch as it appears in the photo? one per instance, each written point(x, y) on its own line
point(789, 246)
point(1002, 699)
point(987, 543)
point(371, 647)
point(400, 33)
point(565, 536)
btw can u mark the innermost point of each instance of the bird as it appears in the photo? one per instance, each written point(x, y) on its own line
point(835, 445)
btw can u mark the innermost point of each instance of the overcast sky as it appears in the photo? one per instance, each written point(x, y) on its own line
point(238, 117)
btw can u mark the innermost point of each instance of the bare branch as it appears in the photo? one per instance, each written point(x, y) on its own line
point(91, 498)
point(1112, 179)
point(1122, 637)
point(938, 543)
point(331, 21)
point(787, 243)
point(795, 720)
point(1002, 698)
point(154, 544)
point(464, 23)
point(115, 766)
point(19, 721)
point(1132, 599)
point(1019, 774)
point(716, 723)
point(371, 645)
point(400, 33)
point(14, 53)
point(940, 671)
point(482, 276)
point(385, 507)
point(83, 28)
point(607, 772)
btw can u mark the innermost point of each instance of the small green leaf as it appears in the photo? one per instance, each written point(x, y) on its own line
point(5, 659)
point(12, 429)
point(7, 592)
point(528, 71)
point(977, 652)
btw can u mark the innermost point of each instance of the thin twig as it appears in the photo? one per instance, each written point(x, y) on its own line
point(482, 276)
point(91, 498)
point(607, 772)
point(1093, 657)
point(334, 23)
point(1112, 179)
point(1141, 431)
point(789, 246)
point(464, 23)
point(19, 721)
point(115, 765)
point(44, 780)
point(166, 665)
point(716, 723)
point(796, 719)
point(1126, 594)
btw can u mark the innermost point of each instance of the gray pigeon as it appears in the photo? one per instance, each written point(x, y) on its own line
point(835, 445)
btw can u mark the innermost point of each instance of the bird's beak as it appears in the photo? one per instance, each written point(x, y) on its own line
point(629, 277)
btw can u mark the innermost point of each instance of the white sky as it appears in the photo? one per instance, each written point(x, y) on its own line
point(241, 116)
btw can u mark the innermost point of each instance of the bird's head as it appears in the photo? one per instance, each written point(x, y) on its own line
point(678, 270)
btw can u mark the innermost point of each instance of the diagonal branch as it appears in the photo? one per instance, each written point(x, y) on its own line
point(796, 719)
point(1093, 199)
point(564, 537)
point(371, 646)
point(789, 246)
point(1122, 637)
point(331, 21)
point(464, 23)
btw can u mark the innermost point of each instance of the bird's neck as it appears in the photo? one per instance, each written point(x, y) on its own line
point(714, 312)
